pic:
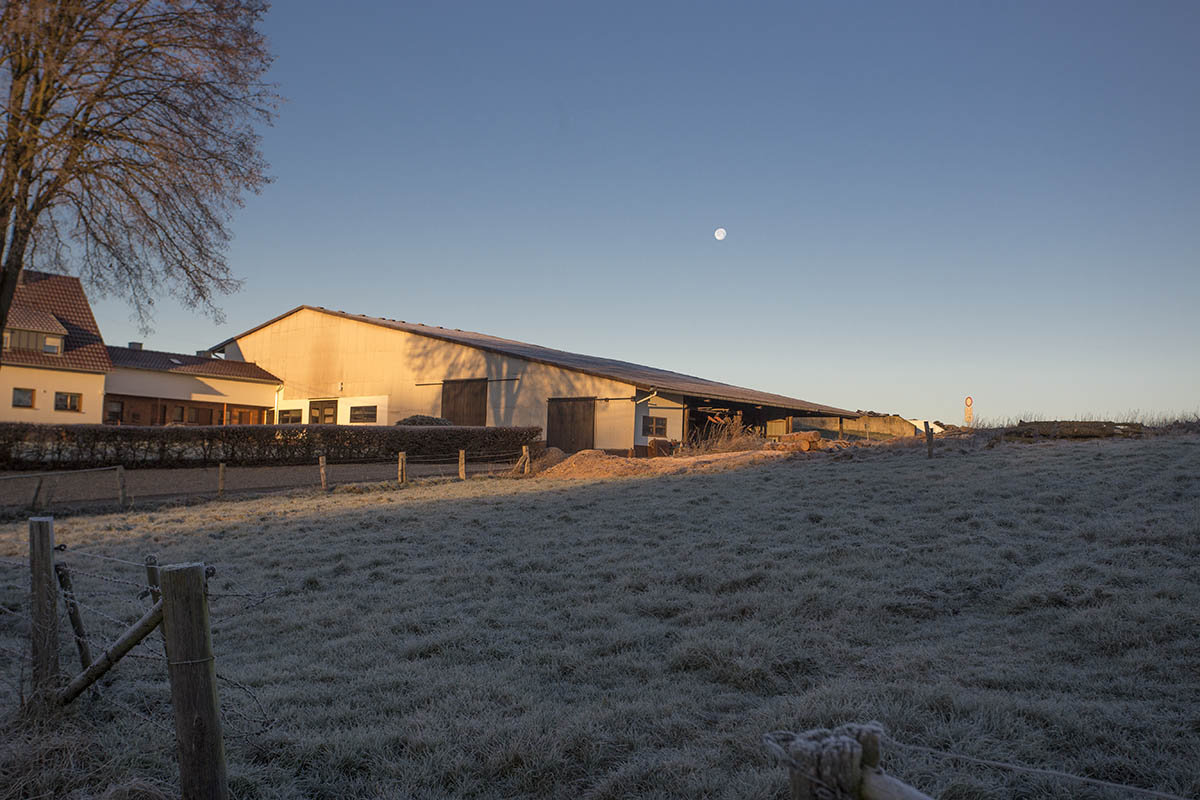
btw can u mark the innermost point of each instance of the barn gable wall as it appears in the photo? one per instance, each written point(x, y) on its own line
point(319, 355)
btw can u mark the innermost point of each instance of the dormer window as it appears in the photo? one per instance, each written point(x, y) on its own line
point(53, 345)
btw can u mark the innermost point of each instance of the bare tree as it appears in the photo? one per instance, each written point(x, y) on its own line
point(129, 138)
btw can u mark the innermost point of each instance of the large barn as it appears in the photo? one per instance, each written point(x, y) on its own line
point(342, 368)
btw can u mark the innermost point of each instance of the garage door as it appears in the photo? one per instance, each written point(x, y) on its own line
point(465, 402)
point(571, 423)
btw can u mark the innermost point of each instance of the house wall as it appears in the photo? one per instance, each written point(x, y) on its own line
point(45, 382)
point(318, 355)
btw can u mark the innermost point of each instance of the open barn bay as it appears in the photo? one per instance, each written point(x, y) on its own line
point(1037, 604)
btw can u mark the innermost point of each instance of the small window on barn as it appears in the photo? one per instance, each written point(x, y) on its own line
point(193, 415)
point(289, 416)
point(22, 398)
point(67, 401)
point(177, 414)
point(654, 426)
point(362, 413)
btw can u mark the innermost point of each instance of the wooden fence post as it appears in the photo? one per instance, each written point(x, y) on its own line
point(525, 456)
point(193, 675)
point(929, 440)
point(825, 764)
point(324, 477)
point(867, 427)
point(122, 497)
point(43, 607)
point(402, 468)
point(841, 427)
point(462, 465)
point(81, 643)
point(220, 479)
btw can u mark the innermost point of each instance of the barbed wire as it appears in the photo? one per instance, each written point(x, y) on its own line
point(102, 557)
point(8, 563)
point(102, 696)
point(1052, 773)
point(77, 571)
point(263, 723)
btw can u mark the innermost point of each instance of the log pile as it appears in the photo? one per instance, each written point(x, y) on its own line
point(1069, 429)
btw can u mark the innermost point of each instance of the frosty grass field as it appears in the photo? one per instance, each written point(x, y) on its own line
point(1037, 604)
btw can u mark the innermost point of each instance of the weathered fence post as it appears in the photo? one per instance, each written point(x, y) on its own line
point(867, 428)
point(220, 479)
point(152, 578)
point(929, 440)
point(43, 607)
point(122, 497)
point(64, 580)
point(193, 675)
point(324, 477)
point(842, 763)
point(402, 468)
point(462, 465)
point(525, 456)
point(841, 428)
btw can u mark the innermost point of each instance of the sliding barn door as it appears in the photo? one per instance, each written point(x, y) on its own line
point(571, 423)
point(465, 402)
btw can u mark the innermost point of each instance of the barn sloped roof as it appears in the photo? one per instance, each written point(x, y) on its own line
point(41, 297)
point(624, 371)
point(181, 364)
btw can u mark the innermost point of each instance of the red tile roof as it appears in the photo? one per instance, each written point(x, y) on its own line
point(41, 294)
point(180, 364)
point(27, 319)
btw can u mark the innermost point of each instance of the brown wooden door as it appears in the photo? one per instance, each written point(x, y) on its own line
point(465, 402)
point(571, 423)
point(322, 412)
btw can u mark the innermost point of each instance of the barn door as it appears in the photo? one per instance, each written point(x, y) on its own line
point(465, 402)
point(571, 423)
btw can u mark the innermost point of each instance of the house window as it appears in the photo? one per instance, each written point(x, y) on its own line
point(289, 416)
point(22, 398)
point(53, 345)
point(177, 414)
point(654, 426)
point(114, 410)
point(193, 415)
point(67, 401)
point(362, 413)
point(6, 341)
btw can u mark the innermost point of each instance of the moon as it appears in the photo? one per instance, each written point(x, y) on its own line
point(719, 234)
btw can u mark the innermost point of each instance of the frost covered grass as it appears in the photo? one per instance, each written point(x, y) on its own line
point(1037, 604)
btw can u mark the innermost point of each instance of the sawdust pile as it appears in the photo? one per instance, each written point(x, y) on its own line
point(598, 464)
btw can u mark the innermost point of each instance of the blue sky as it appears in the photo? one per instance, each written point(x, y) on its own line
point(924, 200)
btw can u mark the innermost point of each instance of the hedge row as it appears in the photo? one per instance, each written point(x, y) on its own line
point(42, 447)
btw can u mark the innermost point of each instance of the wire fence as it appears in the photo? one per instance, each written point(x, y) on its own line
point(108, 594)
point(44, 491)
